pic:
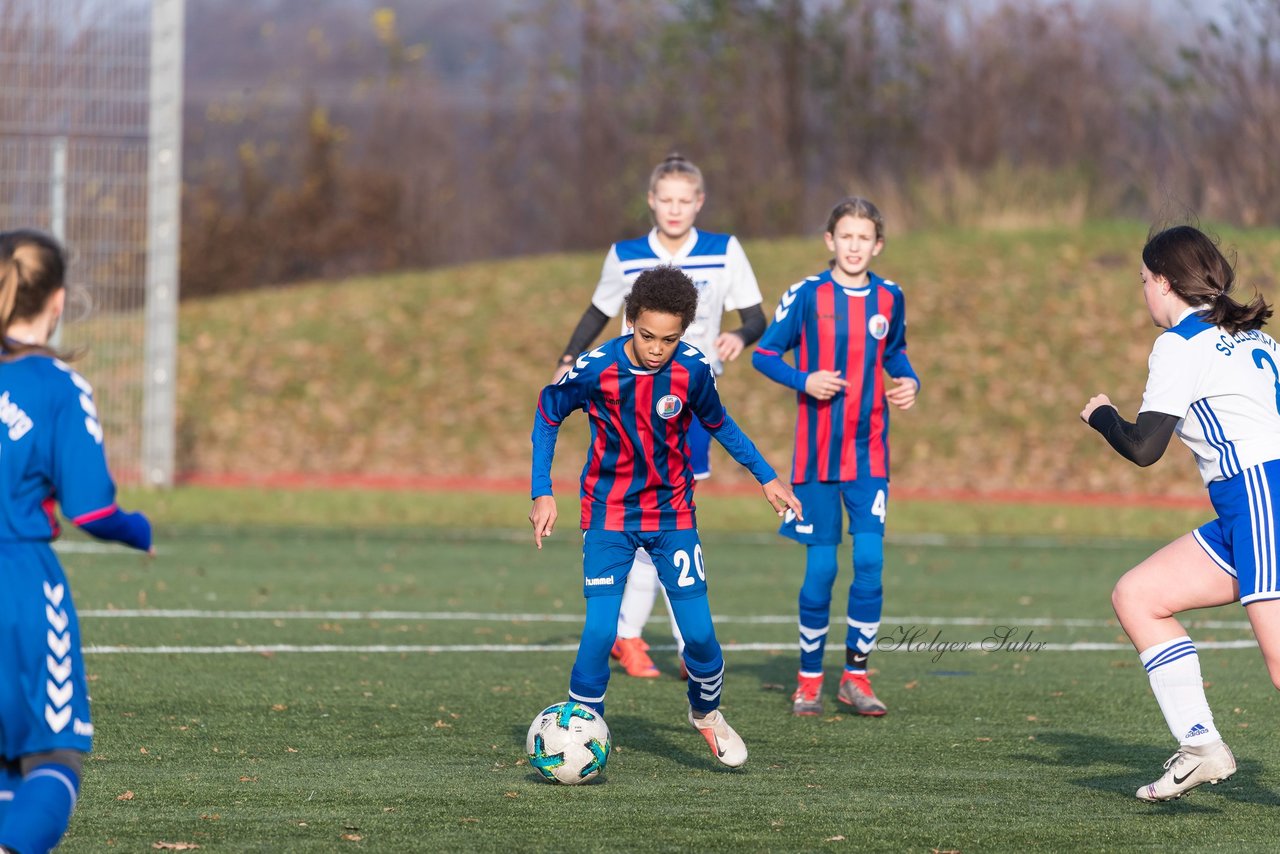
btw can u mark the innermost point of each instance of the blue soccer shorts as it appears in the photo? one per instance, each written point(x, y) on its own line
point(44, 699)
point(866, 500)
point(699, 441)
point(607, 557)
point(1242, 540)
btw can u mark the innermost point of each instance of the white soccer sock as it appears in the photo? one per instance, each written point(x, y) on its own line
point(637, 598)
point(1174, 670)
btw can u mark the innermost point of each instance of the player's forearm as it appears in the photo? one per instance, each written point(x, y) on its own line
point(742, 449)
point(132, 529)
point(753, 324)
point(899, 367)
point(544, 451)
point(773, 366)
point(589, 326)
point(1141, 443)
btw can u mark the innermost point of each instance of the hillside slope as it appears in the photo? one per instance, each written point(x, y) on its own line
point(436, 373)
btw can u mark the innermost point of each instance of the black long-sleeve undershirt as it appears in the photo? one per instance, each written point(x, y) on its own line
point(594, 320)
point(1143, 442)
point(752, 324)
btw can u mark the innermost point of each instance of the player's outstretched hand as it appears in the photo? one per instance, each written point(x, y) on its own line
point(903, 395)
point(543, 517)
point(824, 385)
point(782, 498)
point(729, 346)
point(1094, 402)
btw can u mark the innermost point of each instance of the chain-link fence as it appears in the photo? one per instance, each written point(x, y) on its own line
point(90, 99)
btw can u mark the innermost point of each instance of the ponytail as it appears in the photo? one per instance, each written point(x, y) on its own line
point(1238, 317)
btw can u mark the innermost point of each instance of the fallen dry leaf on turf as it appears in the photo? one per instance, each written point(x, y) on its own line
point(174, 846)
point(834, 839)
point(352, 837)
point(982, 739)
point(248, 779)
point(279, 707)
point(912, 685)
point(944, 851)
point(127, 796)
point(443, 725)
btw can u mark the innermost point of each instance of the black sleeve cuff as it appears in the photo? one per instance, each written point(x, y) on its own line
point(753, 324)
point(592, 323)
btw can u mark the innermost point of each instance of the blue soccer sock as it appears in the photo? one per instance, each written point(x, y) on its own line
point(10, 780)
point(820, 571)
point(702, 655)
point(590, 676)
point(866, 600)
point(41, 809)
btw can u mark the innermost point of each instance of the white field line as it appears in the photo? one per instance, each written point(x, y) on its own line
point(928, 540)
point(500, 617)
point(267, 649)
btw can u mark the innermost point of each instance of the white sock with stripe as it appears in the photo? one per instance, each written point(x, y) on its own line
point(1174, 670)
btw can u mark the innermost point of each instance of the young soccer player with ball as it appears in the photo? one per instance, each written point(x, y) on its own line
point(1214, 379)
point(848, 328)
point(720, 270)
point(50, 451)
point(643, 392)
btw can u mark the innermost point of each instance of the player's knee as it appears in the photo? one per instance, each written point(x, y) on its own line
point(868, 557)
point(1128, 599)
point(815, 600)
point(73, 759)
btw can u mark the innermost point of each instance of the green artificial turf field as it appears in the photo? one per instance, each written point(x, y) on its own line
point(299, 689)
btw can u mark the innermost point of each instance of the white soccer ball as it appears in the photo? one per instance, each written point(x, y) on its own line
point(568, 743)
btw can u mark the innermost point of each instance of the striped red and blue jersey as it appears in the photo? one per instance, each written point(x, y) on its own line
point(860, 332)
point(637, 476)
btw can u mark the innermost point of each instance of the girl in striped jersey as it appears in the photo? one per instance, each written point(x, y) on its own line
point(1214, 379)
point(848, 328)
point(725, 282)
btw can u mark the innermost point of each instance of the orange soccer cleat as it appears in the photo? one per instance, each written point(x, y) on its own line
point(633, 655)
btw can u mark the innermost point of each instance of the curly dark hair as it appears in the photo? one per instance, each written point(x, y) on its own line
point(664, 289)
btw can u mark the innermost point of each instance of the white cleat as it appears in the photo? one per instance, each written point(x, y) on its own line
point(1188, 768)
point(726, 745)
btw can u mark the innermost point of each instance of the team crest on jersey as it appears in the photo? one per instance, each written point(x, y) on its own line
point(878, 326)
point(669, 406)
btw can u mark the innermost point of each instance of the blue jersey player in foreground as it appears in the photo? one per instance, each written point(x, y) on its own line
point(848, 328)
point(1214, 379)
point(642, 392)
point(50, 452)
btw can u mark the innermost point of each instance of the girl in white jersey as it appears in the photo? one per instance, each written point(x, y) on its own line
point(725, 281)
point(1214, 380)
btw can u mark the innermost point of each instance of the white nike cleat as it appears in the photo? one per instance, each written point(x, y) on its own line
point(726, 745)
point(1188, 768)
